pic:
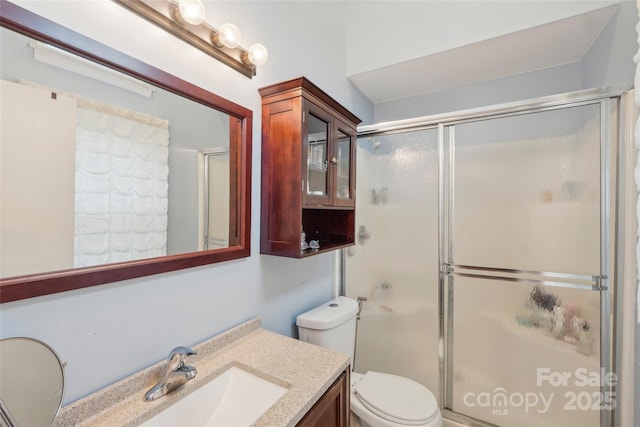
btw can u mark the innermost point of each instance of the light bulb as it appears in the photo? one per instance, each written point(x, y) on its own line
point(257, 54)
point(229, 36)
point(192, 11)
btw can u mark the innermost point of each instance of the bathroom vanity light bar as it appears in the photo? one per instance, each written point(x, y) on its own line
point(167, 15)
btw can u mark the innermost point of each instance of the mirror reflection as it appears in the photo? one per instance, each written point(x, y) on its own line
point(98, 168)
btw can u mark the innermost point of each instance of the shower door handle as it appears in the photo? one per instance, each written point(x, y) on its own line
point(562, 280)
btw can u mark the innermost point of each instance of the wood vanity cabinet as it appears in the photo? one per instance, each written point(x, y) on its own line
point(308, 170)
point(332, 409)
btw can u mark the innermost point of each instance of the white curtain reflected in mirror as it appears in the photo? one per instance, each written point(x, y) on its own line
point(113, 209)
point(121, 186)
point(215, 198)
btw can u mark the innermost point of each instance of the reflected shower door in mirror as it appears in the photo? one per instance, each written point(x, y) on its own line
point(101, 170)
point(215, 230)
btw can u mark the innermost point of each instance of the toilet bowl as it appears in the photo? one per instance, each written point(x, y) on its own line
point(385, 400)
point(378, 399)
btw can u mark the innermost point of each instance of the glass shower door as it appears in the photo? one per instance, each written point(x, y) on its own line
point(394, 263)
point(523, 268)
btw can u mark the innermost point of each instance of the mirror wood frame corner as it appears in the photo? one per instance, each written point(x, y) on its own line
point(15, 18)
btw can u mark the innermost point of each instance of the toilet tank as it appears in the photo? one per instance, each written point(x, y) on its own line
point(331, 325)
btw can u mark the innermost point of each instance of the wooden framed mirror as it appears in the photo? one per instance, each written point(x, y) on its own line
point(36, 263)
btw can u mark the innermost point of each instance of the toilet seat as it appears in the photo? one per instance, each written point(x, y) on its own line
point(396, 399)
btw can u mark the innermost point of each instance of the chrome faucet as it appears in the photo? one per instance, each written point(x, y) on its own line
point(176, 374)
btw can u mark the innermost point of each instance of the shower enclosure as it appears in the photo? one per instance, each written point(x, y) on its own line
point(485, 248)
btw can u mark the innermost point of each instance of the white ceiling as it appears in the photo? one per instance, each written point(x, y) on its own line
point(549, 45)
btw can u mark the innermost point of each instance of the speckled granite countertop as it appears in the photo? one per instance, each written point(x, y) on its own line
point(306, 370)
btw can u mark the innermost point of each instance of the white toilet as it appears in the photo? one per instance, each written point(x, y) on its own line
point(378, 399)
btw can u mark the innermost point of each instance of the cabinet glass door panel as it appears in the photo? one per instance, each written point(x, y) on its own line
point(317, 177)
point(343, 171)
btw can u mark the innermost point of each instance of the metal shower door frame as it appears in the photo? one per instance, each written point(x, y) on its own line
point(611, 233)
point(602, 283)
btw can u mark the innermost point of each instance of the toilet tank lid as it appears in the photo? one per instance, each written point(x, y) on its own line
point(328, 315)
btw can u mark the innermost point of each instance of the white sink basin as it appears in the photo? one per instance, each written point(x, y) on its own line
point(235, 398)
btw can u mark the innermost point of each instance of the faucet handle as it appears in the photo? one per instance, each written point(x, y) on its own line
point(177, 356)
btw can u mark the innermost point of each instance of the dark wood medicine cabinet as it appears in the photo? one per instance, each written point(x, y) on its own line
point(308, 170)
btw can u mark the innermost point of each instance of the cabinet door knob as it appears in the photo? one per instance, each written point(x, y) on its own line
point(334, 160)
